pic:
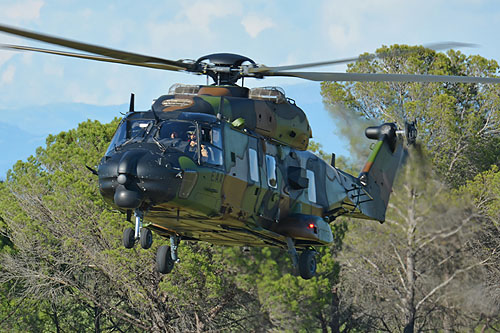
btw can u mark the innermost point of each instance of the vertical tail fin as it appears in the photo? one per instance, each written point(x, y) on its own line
point(379, 172)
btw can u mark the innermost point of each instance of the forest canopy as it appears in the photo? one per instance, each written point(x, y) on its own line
point(434, 264)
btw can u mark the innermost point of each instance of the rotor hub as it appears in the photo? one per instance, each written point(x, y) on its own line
point(225, 68)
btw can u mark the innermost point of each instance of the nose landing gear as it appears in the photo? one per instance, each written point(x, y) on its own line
point(166, 256)
point(144, 235)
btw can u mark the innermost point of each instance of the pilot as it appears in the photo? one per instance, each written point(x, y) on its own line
point(175, 141)
point(191, 147)
point(191, 141)
point(204, 153)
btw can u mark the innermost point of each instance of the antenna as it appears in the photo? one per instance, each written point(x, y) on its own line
point(131, 107)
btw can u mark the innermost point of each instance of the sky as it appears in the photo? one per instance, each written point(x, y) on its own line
point(42, 94)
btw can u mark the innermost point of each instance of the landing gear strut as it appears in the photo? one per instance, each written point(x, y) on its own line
point(164, 262)
point(306, 262)
point(166, 256)
point(144, 235)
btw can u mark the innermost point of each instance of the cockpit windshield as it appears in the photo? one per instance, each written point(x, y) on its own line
point(180, 135)
point(130, 130)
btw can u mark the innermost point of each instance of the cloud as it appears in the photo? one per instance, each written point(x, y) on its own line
point(87, 13)
point(193, 25)
point(254, 24)
point(8, 75)
point(342, 35)
point(364, 25)
point(80, 95)
point(22, 10)
point(201, 13)
point(368, 22)
point(5, 56)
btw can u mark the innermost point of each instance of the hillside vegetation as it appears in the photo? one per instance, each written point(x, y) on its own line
point(433, 265)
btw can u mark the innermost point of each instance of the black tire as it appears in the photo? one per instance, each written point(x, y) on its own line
point(307, 264)
point(128, 238)
point(146, 238)
point(164, 262)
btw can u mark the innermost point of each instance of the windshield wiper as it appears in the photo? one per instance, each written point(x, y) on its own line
point(160, 145)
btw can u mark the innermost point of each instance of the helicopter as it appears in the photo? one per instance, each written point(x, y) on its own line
point(229, 165)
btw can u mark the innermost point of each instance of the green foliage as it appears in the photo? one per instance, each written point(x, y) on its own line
point(406, 272)
point(485, 188)
point(457, 123)
point(458, 139)
point(64, 267)
point(316, 148)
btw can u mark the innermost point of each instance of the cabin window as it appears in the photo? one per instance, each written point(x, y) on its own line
point(253, 161)
point(311, 189)
point(271, 171)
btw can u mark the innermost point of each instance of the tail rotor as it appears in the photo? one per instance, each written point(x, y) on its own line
point(409, 132)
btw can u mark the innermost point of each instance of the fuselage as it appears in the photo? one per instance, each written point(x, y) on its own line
point(200, 173)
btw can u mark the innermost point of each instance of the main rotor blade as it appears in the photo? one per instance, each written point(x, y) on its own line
point(433, 46)
point(104, 51)
point(381, 77)
point(92, 57)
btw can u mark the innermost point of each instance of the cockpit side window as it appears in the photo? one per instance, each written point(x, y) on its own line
point(185, 136)
point(211, 145)
point(217, 137)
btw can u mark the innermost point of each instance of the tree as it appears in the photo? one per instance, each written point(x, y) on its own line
point(293, 304)
point(458, 131)
point(416, 270)
point(485, 189)
point(73, 272)
point(69, 265)
point(458, 123)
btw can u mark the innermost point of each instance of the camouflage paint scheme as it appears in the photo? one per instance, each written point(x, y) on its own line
point(281, 120)
point(242, 201)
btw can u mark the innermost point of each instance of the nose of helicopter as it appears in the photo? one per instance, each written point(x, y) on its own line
point(126, 198)
point(127, 193)
point(134, 177)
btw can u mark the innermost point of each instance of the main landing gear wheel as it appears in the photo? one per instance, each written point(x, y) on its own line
point(146, 238)
point(307, 264)
point(164, 261)
point(128, 238)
